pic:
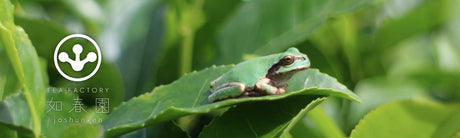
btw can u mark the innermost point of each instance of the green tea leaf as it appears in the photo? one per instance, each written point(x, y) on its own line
point(449, 127)
point(325, 124)
point(303, 128)
point(204, 48)
point(408, 118)
point(132, 39)
point(6, 132)
point(57, 117)
point(378, 91)
point(166, 129)
point(44, 35)
point(190, 93)
point(412, 23)
point(312, 78)
point(15, 114)
point(8, 81)
point(83, 130)
point(108, 77)
point(25, 62)
point(316, 123)
point(261, 119)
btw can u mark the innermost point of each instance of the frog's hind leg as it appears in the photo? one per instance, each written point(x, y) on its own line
point(227, 91)
point(265, 86)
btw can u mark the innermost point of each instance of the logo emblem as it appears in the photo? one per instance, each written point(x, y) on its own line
point(77, 63)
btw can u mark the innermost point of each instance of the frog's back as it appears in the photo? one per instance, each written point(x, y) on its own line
point(248, 72)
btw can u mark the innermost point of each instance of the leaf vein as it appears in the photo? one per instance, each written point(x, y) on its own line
point(155, 109)
point(199, 93)
point(251, 128)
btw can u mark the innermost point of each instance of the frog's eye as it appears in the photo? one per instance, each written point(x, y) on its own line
point(288, 60)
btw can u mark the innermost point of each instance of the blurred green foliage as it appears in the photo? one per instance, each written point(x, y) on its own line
point(383, 50)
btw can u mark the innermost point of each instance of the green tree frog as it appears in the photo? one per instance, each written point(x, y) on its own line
point(260, 76)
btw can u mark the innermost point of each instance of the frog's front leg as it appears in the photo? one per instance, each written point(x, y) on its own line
point(215, 81)
point(226, 91)
point(266, 86)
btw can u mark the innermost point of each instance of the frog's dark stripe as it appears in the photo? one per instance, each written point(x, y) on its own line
point(272, 71)
point(275, 67)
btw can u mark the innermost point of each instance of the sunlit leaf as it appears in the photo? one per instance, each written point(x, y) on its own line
point(378, 91)
point(409, 118)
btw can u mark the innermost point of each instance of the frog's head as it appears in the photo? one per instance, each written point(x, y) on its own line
point(289, 62)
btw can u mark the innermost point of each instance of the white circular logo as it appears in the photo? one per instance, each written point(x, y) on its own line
point(77, 64)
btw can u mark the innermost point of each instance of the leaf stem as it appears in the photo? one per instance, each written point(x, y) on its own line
point(186, 51)
point(191, 18)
